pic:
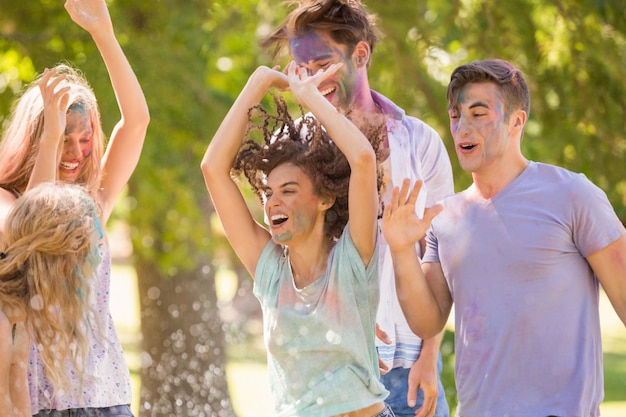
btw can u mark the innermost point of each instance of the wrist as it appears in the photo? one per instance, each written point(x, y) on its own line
point(49, 139)
point(403, 249)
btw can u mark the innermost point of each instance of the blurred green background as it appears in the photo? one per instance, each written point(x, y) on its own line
point(192, 57)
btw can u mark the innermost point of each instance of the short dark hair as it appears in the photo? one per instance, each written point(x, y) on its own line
point(509, 79)
point(346, 21)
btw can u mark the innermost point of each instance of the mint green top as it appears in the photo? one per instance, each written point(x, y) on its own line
point(321, 358)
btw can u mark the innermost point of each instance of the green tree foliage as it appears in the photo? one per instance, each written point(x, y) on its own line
point(573, 53)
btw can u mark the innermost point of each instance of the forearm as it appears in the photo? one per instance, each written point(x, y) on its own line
point(228, 138)
point(430, 347)
point(415, 296)
point(129, 95)
point(345, 134)
point(46, 164)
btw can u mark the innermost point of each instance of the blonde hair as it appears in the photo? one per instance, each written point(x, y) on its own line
point(20, 142)
point(49, 253)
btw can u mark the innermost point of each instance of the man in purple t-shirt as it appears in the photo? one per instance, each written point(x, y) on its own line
point(522, 253)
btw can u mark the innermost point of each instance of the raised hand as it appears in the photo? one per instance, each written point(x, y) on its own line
point(271, 77)
point(91, 15)
point(402, 228)
point(301, 83)
point(55, 102)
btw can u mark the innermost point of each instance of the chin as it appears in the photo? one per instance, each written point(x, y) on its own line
point(70, 179)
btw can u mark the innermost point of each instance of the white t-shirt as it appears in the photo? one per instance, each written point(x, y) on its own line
point(417, 152)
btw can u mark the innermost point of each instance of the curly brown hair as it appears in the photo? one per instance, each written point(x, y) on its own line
point(304, 143)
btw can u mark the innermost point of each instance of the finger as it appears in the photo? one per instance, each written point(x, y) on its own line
point(47, 87)
point(383, 368)
point(395, 198)
point(300, 72)
point(404, 190)
point(427, 409)
point(291, 69)
point(417, 187)
point(43, 81)
point(333, 68)
point(63, 102)
point(411, 394)
point(382, 335)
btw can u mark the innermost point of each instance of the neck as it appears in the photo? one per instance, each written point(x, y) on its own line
point(308, 262)
point(491, 181)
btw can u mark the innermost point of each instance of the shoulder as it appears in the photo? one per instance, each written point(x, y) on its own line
point(415, 126)
point(271, 257)
point(561, 178)
point(7, 200)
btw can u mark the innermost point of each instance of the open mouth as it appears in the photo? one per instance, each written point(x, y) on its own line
point(70, 166)
point(467, 146)
point(327, 91)
point(278, 219)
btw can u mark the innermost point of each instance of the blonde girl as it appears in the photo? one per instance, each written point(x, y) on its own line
point(48, 255)
point(55, 134)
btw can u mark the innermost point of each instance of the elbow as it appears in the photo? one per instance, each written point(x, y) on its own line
point(145, 117)
point(365, 159)
point(142, 119)
point(210, 167)
point(426, 331)
point(205, 166)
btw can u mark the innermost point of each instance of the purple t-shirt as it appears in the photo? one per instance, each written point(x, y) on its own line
point(525, 299)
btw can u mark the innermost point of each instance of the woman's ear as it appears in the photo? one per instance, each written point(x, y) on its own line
point(326, 202)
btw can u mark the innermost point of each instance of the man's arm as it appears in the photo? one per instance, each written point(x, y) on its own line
point(424, 375)
point(402, 230)
point(609, 265)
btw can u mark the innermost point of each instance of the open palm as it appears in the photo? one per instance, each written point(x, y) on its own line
point(401, 225)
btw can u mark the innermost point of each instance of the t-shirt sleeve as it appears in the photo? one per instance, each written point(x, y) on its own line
point(594, 222)
point(431, 254)
point(266, 268)
point(346, 247)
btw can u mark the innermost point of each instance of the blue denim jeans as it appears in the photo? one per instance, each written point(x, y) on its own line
point(397, 382)
point(115, 411)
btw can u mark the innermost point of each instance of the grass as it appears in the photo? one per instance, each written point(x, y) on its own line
point(246, 369)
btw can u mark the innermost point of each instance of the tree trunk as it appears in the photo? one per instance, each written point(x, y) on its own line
point(183, 357)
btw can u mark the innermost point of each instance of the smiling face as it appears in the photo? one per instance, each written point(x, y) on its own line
point(481, 128)
point(291, 205)
point(317, 50)
point(77, 144)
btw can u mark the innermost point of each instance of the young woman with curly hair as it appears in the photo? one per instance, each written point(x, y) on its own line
point(48, 254)
point(315, 271)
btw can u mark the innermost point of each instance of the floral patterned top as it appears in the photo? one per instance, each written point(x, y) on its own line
point(106, 379)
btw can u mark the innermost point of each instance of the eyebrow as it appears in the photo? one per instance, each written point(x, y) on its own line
point(479, 104)
point(288, 183)
point(283, 185)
